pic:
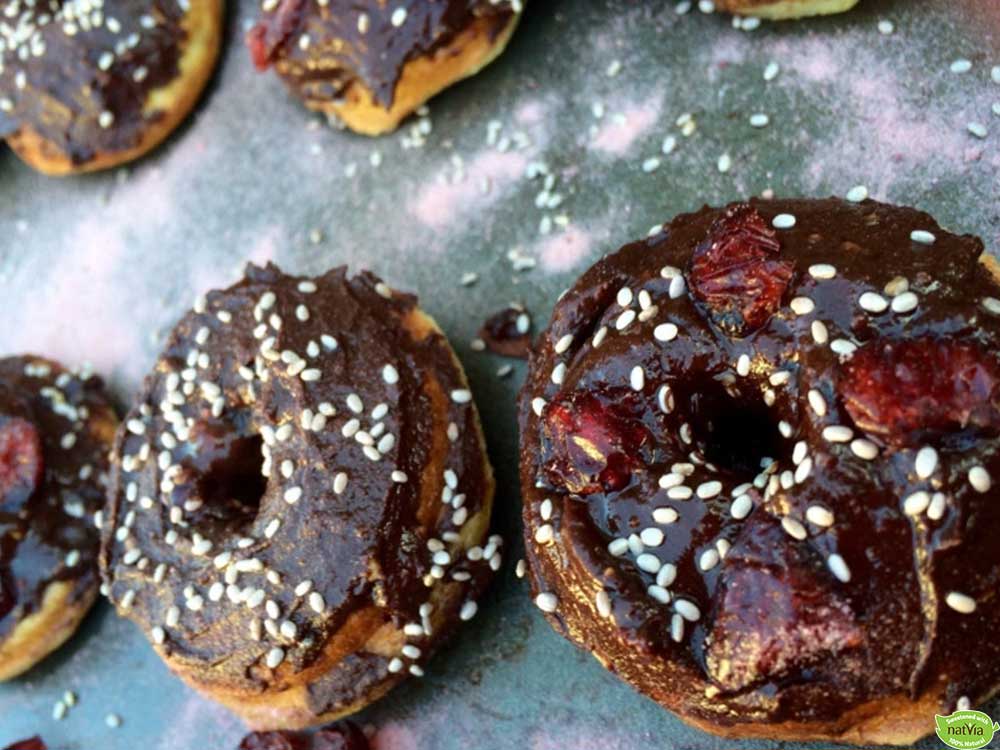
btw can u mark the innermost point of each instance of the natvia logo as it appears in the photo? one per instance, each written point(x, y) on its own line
point(966, 730)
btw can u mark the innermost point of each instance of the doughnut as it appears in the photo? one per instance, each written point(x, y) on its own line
point(783, 9)
point(756, 459)
point(372, 63)
point(92, 84)
point(56, 430)
point(299, 504)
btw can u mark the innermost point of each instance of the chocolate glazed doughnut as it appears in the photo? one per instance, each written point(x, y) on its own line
point(300, 500)
point(784, 9)
point(373, 63)
point(56, 429)
point(88, 85)
point(757, 451)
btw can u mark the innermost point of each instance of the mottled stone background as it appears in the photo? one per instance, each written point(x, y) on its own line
point(97, 268)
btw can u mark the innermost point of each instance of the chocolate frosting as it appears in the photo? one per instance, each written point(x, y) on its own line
point(270, 475)
point(779, 634)
point(50, 535)
point(80, 73)
point(320, 48)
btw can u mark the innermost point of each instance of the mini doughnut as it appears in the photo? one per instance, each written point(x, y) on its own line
point(784, 9)
point(56, 429)
point(756, 456)
point(91, 84)
point(372, 63)
point(301, 497)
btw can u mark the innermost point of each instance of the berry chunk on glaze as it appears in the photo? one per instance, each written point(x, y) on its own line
point(737, 272)
point(593, 442)
point(21, 461)
point(775, 610)
point(906, 391)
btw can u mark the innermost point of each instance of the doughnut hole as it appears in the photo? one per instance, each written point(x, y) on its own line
point(733, 428)
point(224, 482)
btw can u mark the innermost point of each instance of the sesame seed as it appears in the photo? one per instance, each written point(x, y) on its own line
point(624, 297)
point(783, 221)
point(390, 375)
point(665, 332)
point(886, 27)
point(687, 609)
point(547, 602)
point(724, 164)
point(293, 495)
point(648, 562)
point(651, 537)
point(922, 237)
point(741, 507)
point(904, 303)
point(624, 320)
point(158, 635)
point(708, 559)
point(558, 373)
point(771, 71)
point(59, 711)
point(677, 287)
point(680, 493)
point(961, 65)
point(819, 331)
point(618, 547)
point(461, 396)
point(916, 503)
point(837, 433)
point(794, 528)
point(316, 602)
point(839, 568)
point(980, 479)
point(759, 120)
point(991, 305)
point(398, 17)
point(743, 365)
point(468, 611)
point(978, 129)
point(820, 516)
point(864, 449)
point(563, 344)
point(926, 462)
point(872, 302)
point(817, 402)
point(544, 534)
point(603, 603)
point(843, 347)
point(708, 490)
point(961, 603)
point(802, 305)
point(274, 657)
point(857, 194)
point(106, 119)
point(637, 378)
point(113, 721)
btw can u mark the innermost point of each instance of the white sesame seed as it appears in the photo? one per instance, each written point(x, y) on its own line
point(547, 602)
point(741, 507)
point(743, 365)
point(864, 449)
point(651, 537)
point(819, 331)
point(980, 479)
point(839, 568)
point(794, 528)
point(922, 237)
point(274, 657)
point(677, 287)
point(991, 305)
point(113, 721)
point(709, 490)
point(783, 221)
point(843, 347)
point(724, 164)
point(926, 462)
point(665, 516)
point(624, 320)
point(680, 493)
point(759, 120)
point(905, 302)
point(916, 503)
point(802, 305)
point(293, 495)
point(603, 603)
point(637, 378)
point(817, 402)
point(687, 609)
point(563, 344)
point(857, 194)
point(872, 302)
point(558, 373)
point(390, 375)
point(961, 603)
point(648, 562)
point(398, 17)
point(708, 559)
point(820, 516)
point(618, 547)
point(961, 65)
point(665, 332)
point(837, 433)
point(316, 602)
point(461, 396)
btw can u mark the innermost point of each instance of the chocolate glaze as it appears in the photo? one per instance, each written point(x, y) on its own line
point(338, 541)
point(338, 52)
point(890, 630)
point(58, 517)
point(53, 81)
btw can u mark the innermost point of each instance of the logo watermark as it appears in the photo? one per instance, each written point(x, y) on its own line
point(966, 730)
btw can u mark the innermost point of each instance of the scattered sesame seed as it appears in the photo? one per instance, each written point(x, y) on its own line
point(961, 65)
point(783, 221)
point(916, 503)
point(922, 237)
point(978, 129)
point(461, 396)
point(926, 462)
point(820, 516)
point(905, 302)
point(961, 603)
point(864, 449)
point(980, 479)
point(802, 305)
point(637, 378)
point(839, 568)
point(837, 433)
point(759, 120)
point(857, 194)
point(886, 27)
point(547, 602)
point(113, 721)
point(872, 302)
point(794, 528)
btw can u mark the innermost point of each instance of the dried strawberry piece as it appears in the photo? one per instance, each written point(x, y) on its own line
point(341, 736)
point(274, 741)
point(905, 391)
point(271, 32)
point(776, 611)
point(736, 272)
point(508, 332)
point(591, 442)
point(21, 461)
point(32, 743)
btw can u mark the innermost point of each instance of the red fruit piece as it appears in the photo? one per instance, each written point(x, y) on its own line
point(273, 31)
point(341, 736)
point(905, 391)
point(32, 743)
point(21, 462)
point(736, 271)
point(776, 611)
point(591, 442)
point(274, 741)
point(508, 332)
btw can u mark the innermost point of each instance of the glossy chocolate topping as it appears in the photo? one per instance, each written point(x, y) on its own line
point(321, 47)
point(47, 531)
point(270, 475)
point(79, 72)
point(730, 506)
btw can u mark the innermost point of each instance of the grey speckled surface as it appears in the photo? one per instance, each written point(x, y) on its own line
point(96, 268)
